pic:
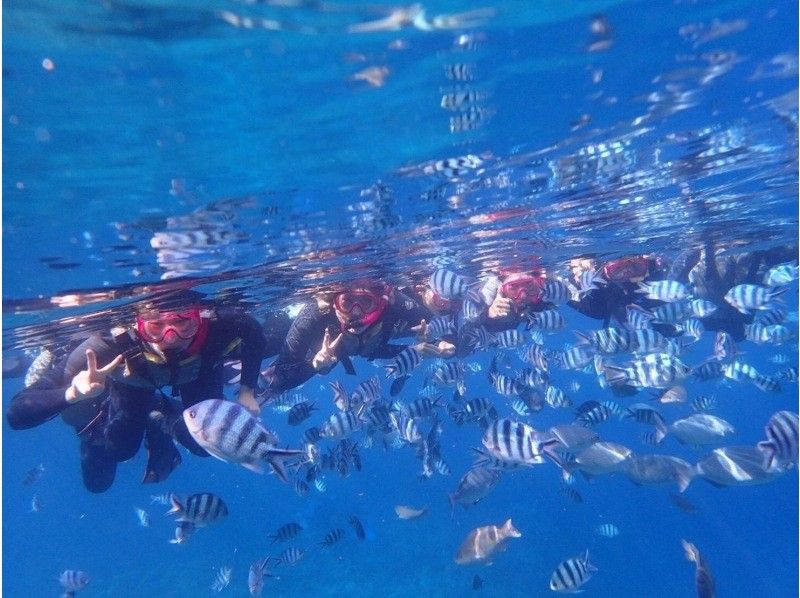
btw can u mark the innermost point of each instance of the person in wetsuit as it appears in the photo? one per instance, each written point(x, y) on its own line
point(622, 276)
point(111, 387)
point(333, 327)
point(511, 296)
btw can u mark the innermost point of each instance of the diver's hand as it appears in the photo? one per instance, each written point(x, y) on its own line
point(421, 330)
point(326, 358)
point(247, 399)
point(90, 382)
point(500, 307)
point(446, 349)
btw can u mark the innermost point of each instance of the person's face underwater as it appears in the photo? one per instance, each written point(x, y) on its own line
point(169, 331)
point(357, 310)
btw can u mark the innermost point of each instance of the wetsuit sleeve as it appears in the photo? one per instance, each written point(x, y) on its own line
point(276, 327)
point(408, 312)
point(253, 345)
point(293, 365)
point(44, 399)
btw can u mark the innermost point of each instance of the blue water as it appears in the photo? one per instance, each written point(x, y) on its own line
point(123, 122)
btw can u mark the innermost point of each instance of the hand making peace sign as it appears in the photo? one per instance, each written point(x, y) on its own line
point(91, 382)
point(326, 358)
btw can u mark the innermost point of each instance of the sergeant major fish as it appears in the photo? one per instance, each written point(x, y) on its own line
point(231, 433)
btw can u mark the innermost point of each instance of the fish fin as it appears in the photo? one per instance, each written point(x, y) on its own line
point(252, 466)
point(177, 507)
point(684, 479)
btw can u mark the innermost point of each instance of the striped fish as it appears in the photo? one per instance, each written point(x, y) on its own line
point(505, 385)
point(469, 119)
point(478, 338)
point(703, 403)
point(459, 72)
point(556, 291)
point(473, 410)
point(768, 317)
point(756, 333)
point(514, 442)
point(672, 313)
point(607, 530)
point(286, 532)
point(596, 415)
point(452, 168)
point(789, 374)
point(739, 371)
point(300, 487)
point(357, 526)
point(450, 373)
point(780, 448)
point(508, 339)
point(222, 579)
point(407, 428)
point(535, 355)
point(692, 327)
point(745, 297)
point(575, 358)
point(637, 317)
point(458, 98)
point(143, 517)
point(448, 285)
point(589, 281)
point(291, 556)
point(73, 581)
point(340, 425)
point(366, 393)
point(781, 274)
point(556, 398)
point(420, 408)
point(470, 311)
point(332, 537)
point(231, 433)
point(656, 370)
point(664, 290)
point(439, 327)
point(702, 308)
point(520, 407)
point(571, 493)
point(708, 370)
point(548, 320)
point(162, 499)
point(403, 363)
point(200, 509)
point(778, 334)
point(572, 574)
point(767, 383)
point(300, 413)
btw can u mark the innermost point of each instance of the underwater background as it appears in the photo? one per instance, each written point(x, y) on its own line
point(263, 149)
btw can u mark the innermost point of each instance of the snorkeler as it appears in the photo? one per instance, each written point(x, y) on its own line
point(335, 326)
point(111, 387)
point(620, 280)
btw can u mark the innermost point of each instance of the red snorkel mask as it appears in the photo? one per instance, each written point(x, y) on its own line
point(522, 289)
point(627, 269)
point(361, 308)
point(154, 327)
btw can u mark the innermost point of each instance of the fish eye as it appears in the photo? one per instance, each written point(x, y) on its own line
point(193, 413)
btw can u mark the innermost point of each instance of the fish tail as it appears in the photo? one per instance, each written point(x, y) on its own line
point(768, 449)
point(684, 479)
point(177, 507)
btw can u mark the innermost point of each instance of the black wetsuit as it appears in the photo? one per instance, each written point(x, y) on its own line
point(293, 365)
point(111, 426)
